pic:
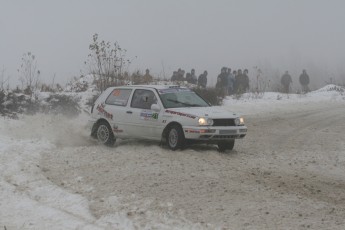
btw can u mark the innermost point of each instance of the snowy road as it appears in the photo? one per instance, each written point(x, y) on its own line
point(287, 173)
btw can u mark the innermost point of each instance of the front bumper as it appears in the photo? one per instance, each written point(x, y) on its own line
point(214, 133)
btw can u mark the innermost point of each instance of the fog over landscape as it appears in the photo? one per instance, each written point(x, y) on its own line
point(166, 35)
point(104, 124)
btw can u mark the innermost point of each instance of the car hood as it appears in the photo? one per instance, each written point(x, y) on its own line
point(211, 112)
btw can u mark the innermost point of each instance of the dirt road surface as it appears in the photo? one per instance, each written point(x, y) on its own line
point(288, 173)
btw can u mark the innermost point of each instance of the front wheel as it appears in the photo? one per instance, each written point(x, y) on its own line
point(105, 134)
point(226, 145)
point(175, 137)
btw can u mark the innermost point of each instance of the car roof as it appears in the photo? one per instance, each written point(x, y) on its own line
point(150, 86)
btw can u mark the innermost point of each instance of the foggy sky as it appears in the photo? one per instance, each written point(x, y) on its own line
point(165, 35)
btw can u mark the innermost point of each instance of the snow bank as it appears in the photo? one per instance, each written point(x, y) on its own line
point(28, 199)
point(251, 103)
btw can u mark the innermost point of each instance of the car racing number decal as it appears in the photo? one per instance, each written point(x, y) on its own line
point(117, 92)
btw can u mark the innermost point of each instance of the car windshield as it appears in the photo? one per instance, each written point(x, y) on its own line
point(180, 97)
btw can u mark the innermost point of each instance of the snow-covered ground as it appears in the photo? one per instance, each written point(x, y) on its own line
point(35, 193)
point(271, 102)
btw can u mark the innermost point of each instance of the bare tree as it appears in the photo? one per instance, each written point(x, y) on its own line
point(29, 74)
point(108, 61)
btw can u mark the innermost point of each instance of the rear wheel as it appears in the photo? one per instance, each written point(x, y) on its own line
point(226, 145)
point(104, 134)
point(175, 137)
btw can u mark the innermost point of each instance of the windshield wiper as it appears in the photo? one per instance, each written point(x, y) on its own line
point(183, 103)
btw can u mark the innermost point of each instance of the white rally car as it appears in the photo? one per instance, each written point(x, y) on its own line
point(174, 114)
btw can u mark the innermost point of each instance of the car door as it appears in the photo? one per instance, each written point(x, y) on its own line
point(116, 106)
point(142, 121)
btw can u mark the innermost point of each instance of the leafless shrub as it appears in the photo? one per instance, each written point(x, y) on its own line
point(108, 61)
point(29, 74)
point(77, 85)
point(63, 104)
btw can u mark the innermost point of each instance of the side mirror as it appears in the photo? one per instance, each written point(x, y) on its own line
point(155, 107)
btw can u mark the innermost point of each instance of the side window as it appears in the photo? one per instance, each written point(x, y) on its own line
point(118, 97)
point(143, 99)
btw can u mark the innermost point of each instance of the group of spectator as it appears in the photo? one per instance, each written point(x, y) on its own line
point(145, 79)
point(232, 82)
point(304, 80)
point(191, 78)
point(228, 82)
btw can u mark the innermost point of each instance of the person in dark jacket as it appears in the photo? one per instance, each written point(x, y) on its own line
point(147, 78)
point(286, 81)
point(202, 80)
point(239, 84)
point(245, 80)
point(194, 77)
point(234, 73)
point(219, 87)
point(191, 77)
point(178, 75)
point(174, 76)
point(304, 80)
point(188, 78)
point(222, 81)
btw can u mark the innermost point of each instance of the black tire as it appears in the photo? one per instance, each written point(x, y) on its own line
point(175, 137)
point(226, 145)
point(104, 134)
point(94, 131)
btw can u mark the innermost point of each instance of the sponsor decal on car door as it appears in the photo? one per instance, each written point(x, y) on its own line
point(142, 121)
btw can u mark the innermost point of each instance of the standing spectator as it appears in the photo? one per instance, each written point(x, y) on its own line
point(174, 76)
point(136, 78)
point(179, 75)
point(194, 79)
point(219, 86)
point(234, 73)
point(202, 80)
point(245, 80)
point(147, 78)
point(304, 80)
point(239, 82)
point(191, 78)
point(222, 81)
point(231, 82)
point(286, 81)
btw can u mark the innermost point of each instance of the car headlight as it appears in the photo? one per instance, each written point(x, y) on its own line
point(239, 121)
point(204, 121)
